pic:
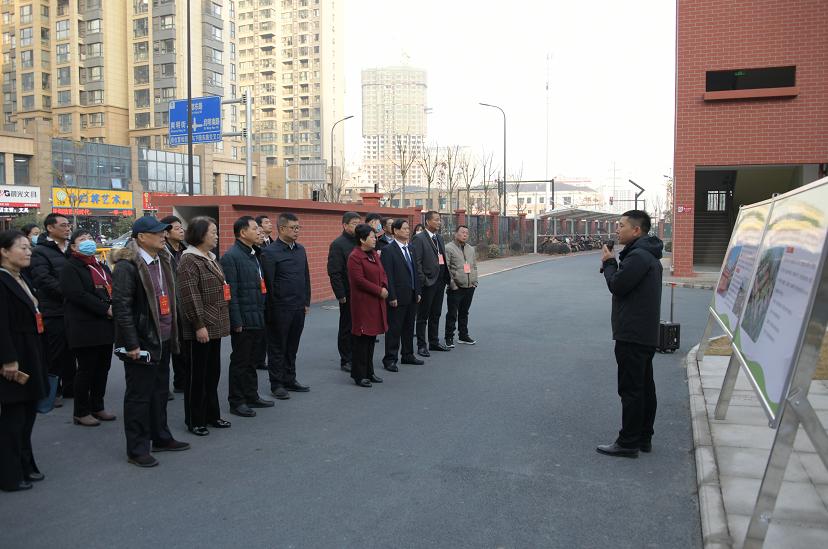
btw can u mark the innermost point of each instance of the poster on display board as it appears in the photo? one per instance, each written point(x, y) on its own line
point(740, 260)
point(779, 301)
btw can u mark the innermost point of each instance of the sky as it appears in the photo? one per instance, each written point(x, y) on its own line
point(611, 74)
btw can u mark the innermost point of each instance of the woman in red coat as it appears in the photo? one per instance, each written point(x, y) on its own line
point(369, 288)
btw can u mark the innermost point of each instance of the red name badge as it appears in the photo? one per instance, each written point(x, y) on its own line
point(39, 322)
point(466, 268)
point(440, 259)
point(164, 304)
point(264, 286)
point(109, 289)
point(226, 292)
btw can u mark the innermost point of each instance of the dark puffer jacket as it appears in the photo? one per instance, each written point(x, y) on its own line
point(47, 263)
point(135, 305)
point(338, 255)
point(243, 272)
point(635, 285)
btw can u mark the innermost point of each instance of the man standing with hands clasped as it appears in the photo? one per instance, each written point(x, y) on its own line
point(338, 254)
point(462, 266)
point(635, 285)
point(430, 257)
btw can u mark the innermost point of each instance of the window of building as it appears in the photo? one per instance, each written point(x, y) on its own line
point(44, 12)
point(45, 84)
point(93, 74)
point(232, 29)
point(164, 70)
point(21, 169)
point(162, 171)
point(214, 32)
point(25, 14)
point(141, 74)
point(162, 119)
point(93, 97)
point(27, 59)
point(212, 55)
point(92, 163)
point(142, 98)
point(25, 37)
point(142, 120)
point(93, 25)
point(44, 36)
point(65, 123)
point(62, 53)
point(164, 22)
point(140, 6)
point(214, 8)
point(28, 102)
point(213, 78)
point(163, 95)
point(716, 201)
point(750, 79)
point(64, 97)
point(140, 27)
point(164, 46)
point(140, 51)
point(27, 80)
point(62, 30)
point(234, 184)
point(93, 4)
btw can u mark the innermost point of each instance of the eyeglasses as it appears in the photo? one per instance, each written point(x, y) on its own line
point(295, 228)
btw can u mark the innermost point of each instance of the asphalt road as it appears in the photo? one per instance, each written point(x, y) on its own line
point(486, 446)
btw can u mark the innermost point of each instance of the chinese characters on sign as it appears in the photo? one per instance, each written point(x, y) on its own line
point(206, 120)
point(92, 202)
point(18, 196)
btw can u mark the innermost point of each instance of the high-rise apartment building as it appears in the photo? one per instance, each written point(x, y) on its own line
point(291, 61)
point(393, 124)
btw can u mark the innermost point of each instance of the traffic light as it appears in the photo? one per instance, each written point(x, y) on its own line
point(610, 201)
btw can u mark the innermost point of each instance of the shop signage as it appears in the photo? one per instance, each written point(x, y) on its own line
point(19, 196)
point(91, 199)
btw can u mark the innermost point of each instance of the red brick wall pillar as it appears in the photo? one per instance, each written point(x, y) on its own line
point(371, 199)
point(461, 216)
point(494, 220)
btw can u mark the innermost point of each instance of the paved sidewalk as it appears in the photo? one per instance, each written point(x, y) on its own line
point(502, 264)
point(731, 456)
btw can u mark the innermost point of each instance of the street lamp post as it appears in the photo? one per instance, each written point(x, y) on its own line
point(504, 151)
point(331, 196)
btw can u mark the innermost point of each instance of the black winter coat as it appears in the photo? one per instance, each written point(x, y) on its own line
point(47, 262)
point(135, 305)
point(635, 285)
point(338, 254)
point(20, 342)
point(243, 272)
point(85, 306)
point(287, 275)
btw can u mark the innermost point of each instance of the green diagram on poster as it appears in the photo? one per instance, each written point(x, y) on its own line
point(781, 295)
point(740, 260)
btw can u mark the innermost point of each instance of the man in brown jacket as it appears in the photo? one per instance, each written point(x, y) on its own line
point(461, 259)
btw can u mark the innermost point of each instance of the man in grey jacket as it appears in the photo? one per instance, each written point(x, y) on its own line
point(462, 267)
point(635, 285)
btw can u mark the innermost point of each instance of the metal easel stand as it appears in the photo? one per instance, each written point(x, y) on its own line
point(796, 410)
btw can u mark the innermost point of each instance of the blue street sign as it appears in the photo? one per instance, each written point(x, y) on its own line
point(206, 120)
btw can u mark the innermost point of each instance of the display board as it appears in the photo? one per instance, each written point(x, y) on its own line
point(780, 297)
point(740, 261)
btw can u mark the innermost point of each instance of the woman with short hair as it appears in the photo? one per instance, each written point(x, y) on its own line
point(204, 297)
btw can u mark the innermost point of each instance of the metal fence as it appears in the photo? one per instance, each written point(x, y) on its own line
point(512, 239)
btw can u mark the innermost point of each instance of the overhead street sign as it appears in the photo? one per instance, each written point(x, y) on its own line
point(206, 120)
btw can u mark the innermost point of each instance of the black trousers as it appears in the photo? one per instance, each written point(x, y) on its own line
point(400, 331)
point(16, 458)
point(243, 384)
point(90, 380)
point(178, 365)
point(284, 330)
point(260, 352)
point(343, 339)
point(458, 302)
point(637, 391)
point(363, 353)
point(145, 403)
point(203, 366)
point(60, 356)
point(428, 313)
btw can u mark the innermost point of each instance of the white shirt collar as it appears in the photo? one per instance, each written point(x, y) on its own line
point(401, 244)
point(145, 256)
point(65, 242)
point(430, 234)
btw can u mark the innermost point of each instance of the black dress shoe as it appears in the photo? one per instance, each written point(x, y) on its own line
point(363, 382)
point(297, 387)
point(345, 367)
point(438, 347)
point(143, 461)
point(171, 446)
point(645, 447)
point(617, 451)
point(392, 367)
point(243, 411)
point(199, 431)
point(22, 485)
point(220, 423)
point(422, 351)
point(280, 393)
point(412, 360)
point(375, 378)
point(36, 476)
point(261, 403)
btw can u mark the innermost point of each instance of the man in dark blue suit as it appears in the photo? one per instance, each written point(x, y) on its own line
point(430, 259)
point(398, 259)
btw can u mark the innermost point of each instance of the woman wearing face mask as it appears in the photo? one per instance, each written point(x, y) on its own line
point(86, 285)
point(32, 232)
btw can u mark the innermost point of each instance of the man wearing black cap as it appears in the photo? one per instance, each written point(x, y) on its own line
point(144, 309)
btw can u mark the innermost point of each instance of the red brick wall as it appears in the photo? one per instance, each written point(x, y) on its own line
point(321, 223)
point(725, 34)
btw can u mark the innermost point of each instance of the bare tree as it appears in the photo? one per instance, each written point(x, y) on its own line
point(468, 171)
point(452, 172)
point(430, 163)
point(487, 160)
point(74, 198)
point(515, 188)
point(405, 156)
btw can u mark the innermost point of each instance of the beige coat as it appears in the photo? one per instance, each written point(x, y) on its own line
point(455, 259)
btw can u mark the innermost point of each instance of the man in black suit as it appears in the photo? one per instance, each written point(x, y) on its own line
point(338, 254)
point(267, 226)
point(430, 258)
point(403, 295)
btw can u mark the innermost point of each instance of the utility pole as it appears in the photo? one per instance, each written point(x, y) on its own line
point(189, 106)
point(247, 133)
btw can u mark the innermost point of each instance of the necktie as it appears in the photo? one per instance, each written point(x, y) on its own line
point(409, 264)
